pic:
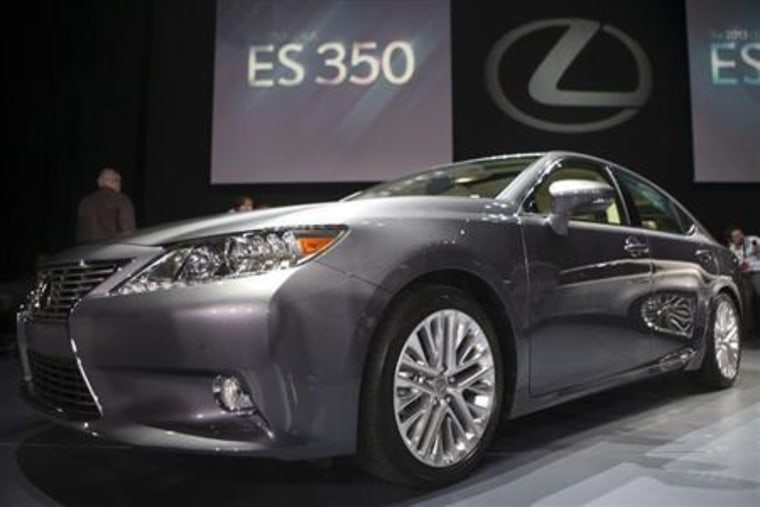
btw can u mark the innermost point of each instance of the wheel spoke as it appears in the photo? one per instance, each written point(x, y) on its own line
point(421, 426)
point(462, 414)
point(732, 336)
point(469, 344)
point(433, 429)
point(448, 442)
point(426, 336)
point(421, 369)
point(456, 422)
point(413, 418)
point(411, 384)
point(470, 363)
point(453, 336)
point(474, 377)
point(415, 352)
point(480, 389)
point(721, 357)
point(415, 395)
point(440, 338)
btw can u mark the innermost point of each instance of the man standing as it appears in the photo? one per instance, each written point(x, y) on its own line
point(747, 251)
point(106, 211)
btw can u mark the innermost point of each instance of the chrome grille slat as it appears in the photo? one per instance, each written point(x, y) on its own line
point(74, 289)
point(54, 392)
point(60, 287)
point(59, 384)
point(53, 308)
point(48, 316)
point(72, 294)
point(70, 282)
point(57, 373)
point(59, 306)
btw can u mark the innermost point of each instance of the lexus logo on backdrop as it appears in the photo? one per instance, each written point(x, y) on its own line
point(543, 86)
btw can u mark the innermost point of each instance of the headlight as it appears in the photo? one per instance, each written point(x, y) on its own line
point(233, 256)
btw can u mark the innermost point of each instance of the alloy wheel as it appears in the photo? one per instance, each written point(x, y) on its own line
point(444, 388)
point(726, 336)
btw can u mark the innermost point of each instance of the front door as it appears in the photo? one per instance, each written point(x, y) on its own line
point(583, 289)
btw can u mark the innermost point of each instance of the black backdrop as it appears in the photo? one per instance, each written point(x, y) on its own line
point(128, 83)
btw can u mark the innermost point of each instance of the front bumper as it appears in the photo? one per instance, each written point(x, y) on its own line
point(297, 340)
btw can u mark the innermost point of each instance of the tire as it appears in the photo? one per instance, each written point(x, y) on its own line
point(414, 396)
point(720, 364)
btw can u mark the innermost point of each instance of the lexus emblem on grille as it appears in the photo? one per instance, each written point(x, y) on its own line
point(42, 293)
point(543, 87)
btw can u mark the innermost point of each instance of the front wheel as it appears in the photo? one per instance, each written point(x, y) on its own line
point(720, 365)
point(433, 389)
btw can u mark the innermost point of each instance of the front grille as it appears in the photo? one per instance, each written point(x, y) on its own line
point(58, 384)
point(61, 287)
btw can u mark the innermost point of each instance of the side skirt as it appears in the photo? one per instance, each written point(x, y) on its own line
point(526, 404)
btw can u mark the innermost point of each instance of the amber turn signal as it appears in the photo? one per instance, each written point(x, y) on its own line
point(314, 244)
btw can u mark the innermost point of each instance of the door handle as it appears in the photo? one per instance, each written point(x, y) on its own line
point(635, 247)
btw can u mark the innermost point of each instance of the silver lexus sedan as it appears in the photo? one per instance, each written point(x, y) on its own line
point(401, 324)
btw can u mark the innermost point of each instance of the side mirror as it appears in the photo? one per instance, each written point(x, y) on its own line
point(577, 196)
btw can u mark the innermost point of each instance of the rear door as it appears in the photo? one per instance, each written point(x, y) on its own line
point(684, 265)
point(583, 288)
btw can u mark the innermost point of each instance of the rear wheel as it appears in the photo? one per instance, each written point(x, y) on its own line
point(432, 391)
point(720, 365)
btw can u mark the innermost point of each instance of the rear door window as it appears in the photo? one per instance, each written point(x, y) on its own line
point(650, 208)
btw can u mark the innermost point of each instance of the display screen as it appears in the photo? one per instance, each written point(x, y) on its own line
point(324, 90)
point(724, 58)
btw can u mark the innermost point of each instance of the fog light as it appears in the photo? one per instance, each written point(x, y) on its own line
point(232, 396)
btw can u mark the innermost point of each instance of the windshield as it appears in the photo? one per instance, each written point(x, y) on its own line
point(482, 179)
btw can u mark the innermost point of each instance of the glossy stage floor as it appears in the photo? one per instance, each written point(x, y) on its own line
point(659, 442)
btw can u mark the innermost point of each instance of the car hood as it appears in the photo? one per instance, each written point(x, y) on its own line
point(330, 213)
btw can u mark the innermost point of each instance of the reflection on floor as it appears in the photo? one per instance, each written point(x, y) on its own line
point(659, 442)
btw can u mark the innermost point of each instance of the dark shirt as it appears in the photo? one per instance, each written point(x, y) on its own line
point(104, 213)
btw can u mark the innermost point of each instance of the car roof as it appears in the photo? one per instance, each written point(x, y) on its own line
point(551, 155)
